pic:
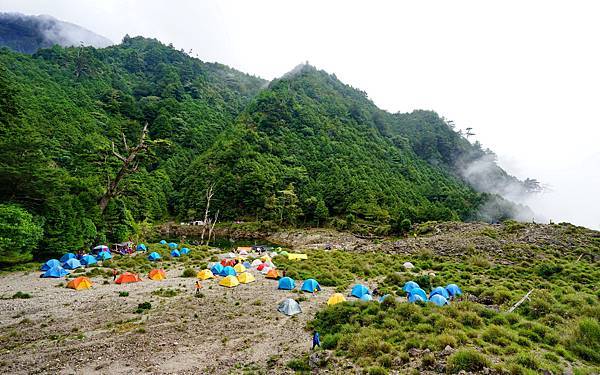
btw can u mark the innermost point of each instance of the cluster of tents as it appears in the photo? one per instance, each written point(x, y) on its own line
point(56, 268)
point(439, 295)
point(175, 251)
point(82, 282)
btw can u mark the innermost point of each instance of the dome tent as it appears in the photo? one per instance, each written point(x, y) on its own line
point(310, 286)
point(66, 257)
point(205, 274)
point(154, 256)
point(228, 271)
point(272, 274)
point(217, 269)
point(185, 251)
point(408, 265)
point(49, 264)
point(163, 242)
point(289, 307)
point(453, 290)
point(239, 268)
point(55, 272)
point(439, 300)
point(173, 245)
point(88, 260)
point(410, 285)
point(157, 274)
point(79, 283)
point(416, 298)
point(286, 283)
point(127, 277)
point(230, 281)
point(256, 263)
point(245, 278)
point(175, 253)
point(71, 264)
point(141, 247)
point(359, 290)
point(419, 292)
point(335, 299)
point(441, 291)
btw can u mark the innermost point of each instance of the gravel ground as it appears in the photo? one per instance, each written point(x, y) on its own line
point(62, 331)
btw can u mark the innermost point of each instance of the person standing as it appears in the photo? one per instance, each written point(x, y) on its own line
point(198, 287)
point(114, 271)
point(316, 341)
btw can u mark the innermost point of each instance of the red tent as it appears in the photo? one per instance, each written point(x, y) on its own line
point(127, 277)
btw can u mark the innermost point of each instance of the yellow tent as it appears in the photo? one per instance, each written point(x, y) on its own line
point(245, 278)
point(79, 283)
point(265, 258)
point(229, 281)
point(205, 274)
point(297, 256)
point(335, 299)
point(157, 274)
point(239, 268)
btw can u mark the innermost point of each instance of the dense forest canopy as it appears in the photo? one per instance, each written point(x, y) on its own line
point(305, 149)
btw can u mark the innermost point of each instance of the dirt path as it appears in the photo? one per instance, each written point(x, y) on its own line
point(60, 330)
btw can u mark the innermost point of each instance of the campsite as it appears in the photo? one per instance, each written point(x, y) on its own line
point(416, 308)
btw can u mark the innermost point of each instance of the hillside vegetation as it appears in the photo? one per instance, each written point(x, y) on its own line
point(305, 149)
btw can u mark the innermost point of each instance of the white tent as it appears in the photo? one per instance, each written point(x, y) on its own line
point(408, 265)
point(256, 263)
point(289, 307)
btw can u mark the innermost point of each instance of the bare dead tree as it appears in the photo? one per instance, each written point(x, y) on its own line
point(212, 226)
point(130, 164)
point(206, 223)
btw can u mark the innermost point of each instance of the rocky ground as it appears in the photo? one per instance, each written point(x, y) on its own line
point(60, 330)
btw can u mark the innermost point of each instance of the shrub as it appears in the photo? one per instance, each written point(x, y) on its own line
point(123, 294)
point(143, 307)
point(470, 319)
point(377, 371)
point(21, 295)
point(188, 272)
point(546, 270)
point(585, 340)
point(467, 360)
point(527, 360)
point(300, 365)
point(19, 233)
point(498, 336)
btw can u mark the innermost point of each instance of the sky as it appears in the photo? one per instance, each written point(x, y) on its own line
point(523, 74)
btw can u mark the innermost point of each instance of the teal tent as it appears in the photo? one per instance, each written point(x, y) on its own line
point(175, 253)
point(66, 257)
point(49, 264)
point(104, 255)
point(71, 264)
point(55, 272)
point(453, 290)
point(286, 283)
point(409, 286)
point(217, 269)
point(88, 260)
point(359, 290)
point(439, 290)
point(141, 247)
point(310, 285)
point(154, 256)
point(439, 300)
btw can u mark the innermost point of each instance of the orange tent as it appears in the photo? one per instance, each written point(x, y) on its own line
point(79, 283)
point(127, 277)
point(157, 274)
point(272, 274)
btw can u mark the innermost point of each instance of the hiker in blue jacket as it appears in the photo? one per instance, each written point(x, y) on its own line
point(316, 340)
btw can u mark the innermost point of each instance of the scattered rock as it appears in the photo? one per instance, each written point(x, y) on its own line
point(447, 351)
point(318, 359)
point(414, 352)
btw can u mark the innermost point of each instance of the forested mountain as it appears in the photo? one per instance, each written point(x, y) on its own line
point(305, 148)
point(27, 34)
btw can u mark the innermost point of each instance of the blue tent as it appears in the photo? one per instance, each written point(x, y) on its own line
point(163, 242)
point(441, 291)
point(185, 251)
point(366, 297)
point(103, 255)
point(154, 256)
point(175, 253)
point(141, 247)
point(417, 291)
point(453, 290)
point(55, 272)
point(88, 259)
point(416, 298)
point(228, 271)
point(49, 264)
point(382, 298)
point(439, 300)
point(247, 264)
point(359, 290)
point(410, 285)
point(72, 263)
point(216, 269)
point(173, 245)
point(286, 283)
point(310, 285)
point(66, 257)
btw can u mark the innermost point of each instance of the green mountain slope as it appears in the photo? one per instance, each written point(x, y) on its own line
point(306, 149)
point(62, 108)
point(333, 147)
